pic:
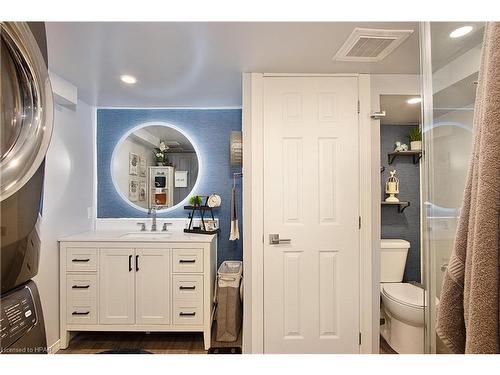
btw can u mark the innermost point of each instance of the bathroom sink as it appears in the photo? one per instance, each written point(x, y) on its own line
point(147, 235)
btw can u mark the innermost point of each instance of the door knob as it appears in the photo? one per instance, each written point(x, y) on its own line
point(274, 239)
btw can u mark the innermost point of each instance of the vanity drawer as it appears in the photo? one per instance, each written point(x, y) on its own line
point(188, 313)
point(81, 287)
point(187, 260)
point(82, 313)
point(187, 287)
point(81, 259)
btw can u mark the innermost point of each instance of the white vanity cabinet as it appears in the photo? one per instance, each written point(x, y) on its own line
point(137, 286)
point(116, 286)
point(152, 286)
point(134, 286)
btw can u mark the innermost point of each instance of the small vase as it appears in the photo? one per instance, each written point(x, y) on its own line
point(416, 145)
point(159, 164)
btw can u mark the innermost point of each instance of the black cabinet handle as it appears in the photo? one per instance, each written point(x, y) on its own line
point(187, 314)
point(80, 313)
point(137, 262)
point(187, 260)
point(129, 263)
point(81, 260)
point(187, 287)
point(80, 286)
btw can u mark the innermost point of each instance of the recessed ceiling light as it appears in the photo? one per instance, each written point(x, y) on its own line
point(128, 79)
point(414, 100)
point(461, 31)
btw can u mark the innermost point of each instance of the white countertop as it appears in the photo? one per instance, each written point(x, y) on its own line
point(136, 236)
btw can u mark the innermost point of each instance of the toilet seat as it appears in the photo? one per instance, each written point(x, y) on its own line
point(404, 293)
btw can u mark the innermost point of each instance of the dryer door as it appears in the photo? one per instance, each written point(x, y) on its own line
point(26, 107)
point(26, 126)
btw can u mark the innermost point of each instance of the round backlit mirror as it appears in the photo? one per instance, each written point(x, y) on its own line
point(155, 165)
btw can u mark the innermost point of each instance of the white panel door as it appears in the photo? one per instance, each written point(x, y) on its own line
point(311, 196)
point(152, 286)
point(116, 286)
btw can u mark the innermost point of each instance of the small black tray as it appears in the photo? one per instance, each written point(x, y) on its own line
point(201, 231)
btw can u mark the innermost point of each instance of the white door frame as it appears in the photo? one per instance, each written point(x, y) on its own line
point(253, 213)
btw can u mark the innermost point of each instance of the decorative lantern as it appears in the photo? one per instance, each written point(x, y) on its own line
point(392, 187)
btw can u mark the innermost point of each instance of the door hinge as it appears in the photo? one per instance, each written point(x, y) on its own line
point(359, 107)
point(359, 222)
point(359, 338)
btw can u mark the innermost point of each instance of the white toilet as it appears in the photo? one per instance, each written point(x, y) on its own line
point(402, 305)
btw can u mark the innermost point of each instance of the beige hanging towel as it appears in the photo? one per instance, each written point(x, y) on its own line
point(234, 233)
point(468, 314)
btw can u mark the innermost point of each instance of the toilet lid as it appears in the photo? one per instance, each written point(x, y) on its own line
point(404, 293)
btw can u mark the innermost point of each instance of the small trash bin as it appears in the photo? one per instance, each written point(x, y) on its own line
point(229, 301)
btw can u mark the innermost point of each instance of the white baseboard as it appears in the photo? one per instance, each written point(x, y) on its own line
point(54, 348)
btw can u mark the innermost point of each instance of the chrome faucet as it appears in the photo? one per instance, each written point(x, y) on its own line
point(152, 212)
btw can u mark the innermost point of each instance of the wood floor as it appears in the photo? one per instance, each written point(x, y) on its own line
point(154, 342)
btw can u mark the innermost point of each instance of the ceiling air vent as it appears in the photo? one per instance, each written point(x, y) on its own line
point(370, 45)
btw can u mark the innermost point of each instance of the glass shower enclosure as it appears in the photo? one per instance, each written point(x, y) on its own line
point(449, 71)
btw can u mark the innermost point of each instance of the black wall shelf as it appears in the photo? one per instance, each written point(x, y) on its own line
point(401, 205)
point(417, 155)
point(202, 209)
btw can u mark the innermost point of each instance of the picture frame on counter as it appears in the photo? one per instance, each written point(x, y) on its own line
point(210, 224)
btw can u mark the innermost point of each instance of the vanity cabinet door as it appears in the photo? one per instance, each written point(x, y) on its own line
point(152, 283)
point(116, 286)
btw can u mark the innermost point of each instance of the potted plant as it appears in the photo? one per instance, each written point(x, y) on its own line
point(195, 200)
point(160, 154)
point(415, 136)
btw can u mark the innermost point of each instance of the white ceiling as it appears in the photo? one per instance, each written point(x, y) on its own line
point(461, 94)
point(445, 49)
point(192, 64)
point(168, 134)
point(398, 111)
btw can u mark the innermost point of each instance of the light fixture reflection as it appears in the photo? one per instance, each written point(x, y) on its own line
point(461, 31)
point(414, 100)
point(128, 79)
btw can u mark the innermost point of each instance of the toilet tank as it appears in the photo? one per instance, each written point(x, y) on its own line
point(393, 260)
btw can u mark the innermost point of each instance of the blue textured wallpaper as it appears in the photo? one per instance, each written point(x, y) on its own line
point(406, 225)
point(209, 129)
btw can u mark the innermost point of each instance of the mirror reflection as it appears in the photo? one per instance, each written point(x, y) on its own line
point(154, 166)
